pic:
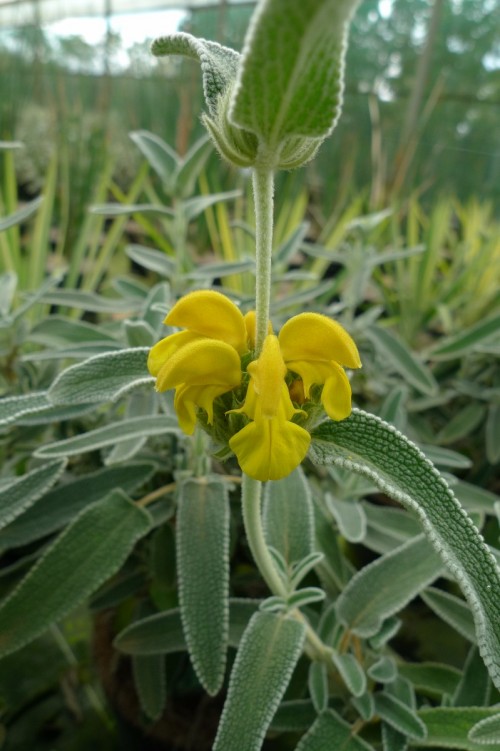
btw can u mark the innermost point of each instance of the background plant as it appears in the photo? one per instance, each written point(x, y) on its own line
point(377, 686)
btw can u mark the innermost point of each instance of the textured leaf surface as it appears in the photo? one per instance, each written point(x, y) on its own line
point(149, 680)
point(291, 75)
point(351, 672)
point(267, 655)
point(487, 731)
point(289, 516)
point(451, 610)
point(23, 492)
point(218, 64)
point(365, 444)
point(86, 554)
point(162, 633)
point(385, 586)
point(400, 716)
point(330, 732)
point(449, 727)
point(441, 679)
point(102, 378)
point(13, 407)
point(58, 506)
point(203, 570)
point(109, 435)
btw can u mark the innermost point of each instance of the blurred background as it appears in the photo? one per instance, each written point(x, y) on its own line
point(422, 97)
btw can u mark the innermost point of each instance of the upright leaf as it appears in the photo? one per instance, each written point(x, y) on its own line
point(289, 517)
point(330, 732)
point(365, 444)
point(290, 79)
point(267, 655)
point(87, 553)
point(203, 570)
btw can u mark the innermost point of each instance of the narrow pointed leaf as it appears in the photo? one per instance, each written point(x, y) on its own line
point(451, 610)
point(400, 716)
point(364, 444)
point(102, 378)
point(149, 680)
point(398, 357)
point(20, 215)
point(318, 685)
point(266, 658)
point(351, 672)
point(13, 407)
point(87, 553)
point(350, 517)
point(109, 435)
point(288, 517)
point(22, 492)
point(203, 570)
point(449, 727)
point(385, 586)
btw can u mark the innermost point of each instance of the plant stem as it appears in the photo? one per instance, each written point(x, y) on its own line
point(263, 189)
point(252, 519)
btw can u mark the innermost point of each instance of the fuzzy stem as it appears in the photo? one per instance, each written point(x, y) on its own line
point(263, 190)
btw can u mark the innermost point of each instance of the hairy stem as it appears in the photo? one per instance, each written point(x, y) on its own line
point(263, 189)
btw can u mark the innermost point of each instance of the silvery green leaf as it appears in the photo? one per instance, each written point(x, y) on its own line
point(303, 567)
point(383, 671)
point(317, 683)
point(387, 630)
point(60, 505)
point(473, 497)
point(445, 458)
point(387, 527)
point(102, 378)
point(364, 704)
point(162, 633)
point(75, 298)
point(365, 444)
point(451, 610)
point(153, 260)
point(351, 672)
point(474, 689)
point(462, 423)
point(193, 207)
point(396, 356)
point(87, 553)
point(288, 517)
point(149, 681)
point(109, 435)
point(141, 403)
point(159, 154)
point(486, 731)
point(350, 517)
point(203, 569)
point(218, 64)
point(400, 716)
point(305, 596)
point(291, 246)
point(449, 727)
point(274, 604)
point(22, 492)
point(50, 414)
point(117, 589)
point(290, 79)
point(81, 351)
point(329, 732)
point(220, 270)
point(266, 658)
point(12, 407)
point(455, 346)
point(190, 167)
point(139, 334)
point(385, 586)
point(392, 739)
point(58, 331)
point(430, 676)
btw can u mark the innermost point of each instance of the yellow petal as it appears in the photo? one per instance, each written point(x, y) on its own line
point(203, 362)
point(210, 314)
point(251, 327)
point(312, 336)
point(269, 449)
point(336, 394)
point(165, 348)
point(188, 398)
point(311, 372)
point(268, 374)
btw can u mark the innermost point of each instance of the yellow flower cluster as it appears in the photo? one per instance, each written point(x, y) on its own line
point(204, 361)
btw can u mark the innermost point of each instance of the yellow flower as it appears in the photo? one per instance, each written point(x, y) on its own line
point(203, 362)
point(317, 348)
point(270, 446)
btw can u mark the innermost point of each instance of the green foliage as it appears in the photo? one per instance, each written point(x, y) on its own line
point(342, 653)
